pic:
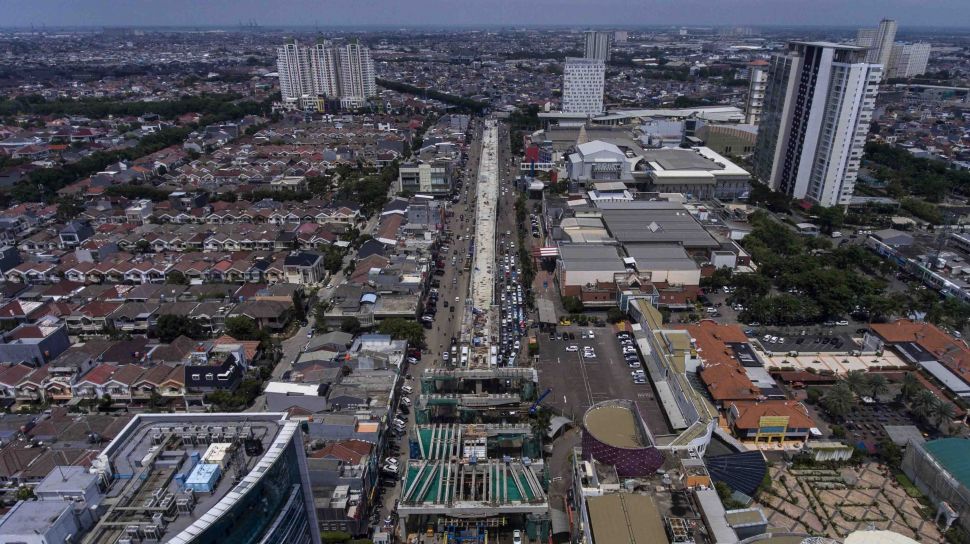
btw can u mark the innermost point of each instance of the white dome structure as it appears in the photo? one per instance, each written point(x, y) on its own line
point(878, 537)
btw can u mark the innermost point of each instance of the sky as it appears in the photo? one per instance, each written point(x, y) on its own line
point(625, 13)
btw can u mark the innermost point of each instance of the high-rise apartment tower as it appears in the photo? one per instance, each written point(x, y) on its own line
point(598, 45)
point(818, 104)
point(582, 89)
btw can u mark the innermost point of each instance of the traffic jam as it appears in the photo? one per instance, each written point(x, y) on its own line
point(511, 300)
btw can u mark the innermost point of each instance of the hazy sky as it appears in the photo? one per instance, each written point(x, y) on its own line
point(483, 12)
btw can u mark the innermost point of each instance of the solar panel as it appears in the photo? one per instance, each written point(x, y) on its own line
point(742, 471)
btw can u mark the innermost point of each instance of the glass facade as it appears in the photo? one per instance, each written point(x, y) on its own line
point(272, 510)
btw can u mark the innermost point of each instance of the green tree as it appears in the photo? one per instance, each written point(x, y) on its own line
point(615, 315)
point(572, 305)
point(856, 380)
point(299, 306)
point(877, 385)
point(350, 324)
point(333, 259)
point(69, 208)
point(25, 493)
point(403, 329)
point(104, 403)
point(838, 400)
point(243, 328)
point(168, 327)
point(941, 411)
point(539, 422)
point(922, 404)
point(910, 386)
point(176, 277)
point(143, 246)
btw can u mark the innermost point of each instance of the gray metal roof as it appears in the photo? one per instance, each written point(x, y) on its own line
point(657, 225)
point(661, 256)
point(680, 159)
point(590, 257)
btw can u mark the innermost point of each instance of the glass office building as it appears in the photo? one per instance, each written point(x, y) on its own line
point(261, 495)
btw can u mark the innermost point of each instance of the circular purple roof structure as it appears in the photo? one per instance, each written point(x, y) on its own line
point(615, 434)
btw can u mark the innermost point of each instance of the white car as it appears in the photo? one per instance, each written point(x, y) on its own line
point(572, 348)
point(516, 537)
point(390, 461)
point(842, 323)
point(445, 356)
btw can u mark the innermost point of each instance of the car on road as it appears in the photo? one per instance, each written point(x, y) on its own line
point(309, 333)
point(572, 348)
point(445, 356)
point(842, 323)
point(407, 390)
point(516, 537)
point(412, 360)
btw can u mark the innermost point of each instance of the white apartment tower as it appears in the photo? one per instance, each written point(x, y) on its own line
point(908, 60)
point(323, 62)
point(356, 75)
point(758, 80)
point(818, 104)
point(878, 41)
point(582, 89)
point(598, 45)
point(325, 71)
point(293, 66)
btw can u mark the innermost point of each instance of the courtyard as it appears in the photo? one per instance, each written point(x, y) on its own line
point(835, 503)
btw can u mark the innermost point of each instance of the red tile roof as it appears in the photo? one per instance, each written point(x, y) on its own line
point(750, 413)
point(348, 451)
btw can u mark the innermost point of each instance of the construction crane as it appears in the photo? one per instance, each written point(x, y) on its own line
point(535, 405)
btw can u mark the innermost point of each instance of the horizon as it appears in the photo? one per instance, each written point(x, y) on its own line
point(948, 14)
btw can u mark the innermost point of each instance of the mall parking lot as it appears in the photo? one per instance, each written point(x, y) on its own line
point(577, 382)
point(809, 343)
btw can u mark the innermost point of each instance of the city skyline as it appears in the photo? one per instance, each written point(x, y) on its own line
point(341, 13)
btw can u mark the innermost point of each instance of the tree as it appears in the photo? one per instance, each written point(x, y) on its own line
point(572, 305)
point(169, 327)
point(403, 329)
point(104, 403)
point(877, 385)
point(299, 306)
point(333, 259)
point(856, 380)
point(838, 400)
point(941, 410)
point(25, 493)
point(922, 404)
point(720, 278)
point(143, 246)
point(539, 423)
point(615, 315)
point(910, 386)
point(243, 328)
point(176, 277)
point(69, 208)
point(350, 324)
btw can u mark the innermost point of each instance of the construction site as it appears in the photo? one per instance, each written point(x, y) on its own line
point(475, 471)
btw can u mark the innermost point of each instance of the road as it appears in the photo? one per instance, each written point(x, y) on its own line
point(453, 288)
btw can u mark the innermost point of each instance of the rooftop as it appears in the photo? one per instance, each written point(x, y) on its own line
point(614, 425)
point(954, 455)
point(155, 451)
point(625, 517)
